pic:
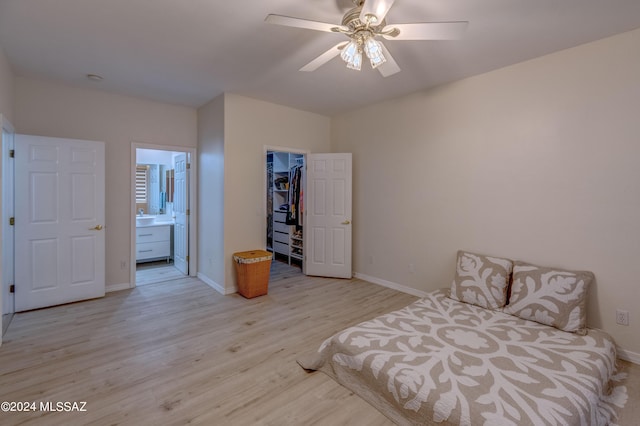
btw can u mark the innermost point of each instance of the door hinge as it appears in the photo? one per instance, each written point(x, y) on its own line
point(12, 221)
point(187, 258)
point(12, 153)
point(188, 166)
point(12, 288)
point(188, 212)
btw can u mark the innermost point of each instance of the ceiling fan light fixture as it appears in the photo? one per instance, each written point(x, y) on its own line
point(352, 55)
point(356, 62)
point(373, 50)
point(364, 25)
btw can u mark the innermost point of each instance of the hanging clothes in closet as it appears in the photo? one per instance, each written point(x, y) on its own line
point(294, 215)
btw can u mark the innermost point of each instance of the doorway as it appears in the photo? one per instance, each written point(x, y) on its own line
point(285, 188)
point(320, 240)
point(163, 226)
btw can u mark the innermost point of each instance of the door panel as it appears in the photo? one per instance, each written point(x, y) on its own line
point(319, 193)
point(180, 203)
point(43, 194)
point(83, 198)
point(318, 239)
point(83, 268)
point(60, 249)
point(328, 220)
point(339, 240)
point(339, 198)
point(43, 264)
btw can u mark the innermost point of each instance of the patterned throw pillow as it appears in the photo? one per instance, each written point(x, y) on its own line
point(481, 280)
point(550, 296)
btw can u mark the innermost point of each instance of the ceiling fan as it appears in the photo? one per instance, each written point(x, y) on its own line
point(363, 25)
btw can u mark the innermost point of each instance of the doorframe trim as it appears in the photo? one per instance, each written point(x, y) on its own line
point(193, 204)
point(9, 191)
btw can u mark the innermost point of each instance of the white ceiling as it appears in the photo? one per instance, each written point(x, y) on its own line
point(189, 51)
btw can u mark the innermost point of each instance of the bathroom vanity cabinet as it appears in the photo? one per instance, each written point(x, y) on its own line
point(153, 242)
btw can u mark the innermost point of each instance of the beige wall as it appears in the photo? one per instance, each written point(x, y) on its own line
point(6, 87)
point(50, 109)
point(537, 162)
point(249, 126)
point(211, 192)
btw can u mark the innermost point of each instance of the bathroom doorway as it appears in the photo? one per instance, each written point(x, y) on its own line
point(162, 202)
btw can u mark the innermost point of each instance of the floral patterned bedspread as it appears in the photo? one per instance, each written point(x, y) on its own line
point(440, 361)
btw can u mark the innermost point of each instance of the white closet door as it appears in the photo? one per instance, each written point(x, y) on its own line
point(59, 236)
point(327, 226)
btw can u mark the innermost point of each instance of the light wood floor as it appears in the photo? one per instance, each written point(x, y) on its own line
point(154, 355)
point(155, 272)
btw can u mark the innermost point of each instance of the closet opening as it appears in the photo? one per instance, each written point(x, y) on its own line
point(286, 179)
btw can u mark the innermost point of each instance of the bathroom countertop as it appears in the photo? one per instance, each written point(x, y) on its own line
point(157, 223)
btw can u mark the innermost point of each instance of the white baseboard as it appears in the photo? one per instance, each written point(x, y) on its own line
point(626, 355)
point(117, 287)
point(389, 284)
point(214, 285)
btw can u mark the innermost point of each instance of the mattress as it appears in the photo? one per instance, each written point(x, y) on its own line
point(440, 361)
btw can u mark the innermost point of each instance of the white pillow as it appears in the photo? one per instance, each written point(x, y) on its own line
point(550, 296)
point(481, 280)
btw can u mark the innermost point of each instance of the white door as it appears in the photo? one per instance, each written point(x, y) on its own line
point(59, 236)
point(327, 227)
point(180, 209)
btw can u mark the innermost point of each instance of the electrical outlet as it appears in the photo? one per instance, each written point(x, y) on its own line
point(123, 264)
point(412, 268)
point(622, 317)
point(370, 260)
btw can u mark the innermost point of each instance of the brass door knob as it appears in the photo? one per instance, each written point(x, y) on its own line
point(96, 228)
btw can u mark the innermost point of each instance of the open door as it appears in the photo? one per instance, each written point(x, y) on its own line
point(181, 201)
point(328, 217)
point(59, 226)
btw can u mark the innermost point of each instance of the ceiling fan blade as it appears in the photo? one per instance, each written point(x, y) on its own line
point(375, 8)
point(426, 31)
point(289, 21)
point(390, 67)
point(324, 58)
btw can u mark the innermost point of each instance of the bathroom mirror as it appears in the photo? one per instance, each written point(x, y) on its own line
point(154, 188)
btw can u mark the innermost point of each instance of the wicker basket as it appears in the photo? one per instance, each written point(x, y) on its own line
point(252, 268)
